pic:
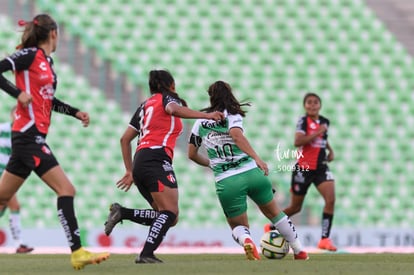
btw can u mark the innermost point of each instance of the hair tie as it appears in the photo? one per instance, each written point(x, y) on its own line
point(22, 23)
point(36, 22)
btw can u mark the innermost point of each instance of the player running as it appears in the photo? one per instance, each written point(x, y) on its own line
point(239, 172)
point(311, 167)
point(35, 93)
point(13, 205)
point(157, 124)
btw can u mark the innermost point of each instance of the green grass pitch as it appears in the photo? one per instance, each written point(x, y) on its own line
point(200, 264)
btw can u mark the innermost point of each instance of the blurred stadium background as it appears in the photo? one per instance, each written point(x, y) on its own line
point(356, 54)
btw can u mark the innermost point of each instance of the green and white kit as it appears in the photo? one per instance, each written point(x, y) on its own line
point(226, 158)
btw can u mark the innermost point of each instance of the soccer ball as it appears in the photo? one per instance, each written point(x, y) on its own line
point(273, 245)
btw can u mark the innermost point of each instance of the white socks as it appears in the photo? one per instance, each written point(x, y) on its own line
point(240, 233)
point(15, 227)
point(285, 226)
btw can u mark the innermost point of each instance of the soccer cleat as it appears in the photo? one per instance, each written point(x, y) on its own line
point(24, 249)
point(147, 260)
point(268, 227)
point(301, 256)
point(250, 250)
point(82, 257)
point(114, 217)
point(326, 243)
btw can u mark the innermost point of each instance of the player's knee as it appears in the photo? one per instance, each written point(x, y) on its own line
point(3, 202)
point(330, 202)
point(174, 214)
point(14, 206)
point(67, 190)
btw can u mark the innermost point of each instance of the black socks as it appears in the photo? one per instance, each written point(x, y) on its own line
point(141, 216)
point(67, 218)
point(157, 231)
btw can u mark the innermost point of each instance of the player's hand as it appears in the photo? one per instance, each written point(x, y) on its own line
point(25, 99)
point(322, 128)
point(263, 166)
point(84, 117)
point(217, 116)
point(126, 181)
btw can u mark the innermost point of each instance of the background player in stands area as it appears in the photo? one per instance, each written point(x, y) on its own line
point(13, 205)
point(239, 172)
point(35, 93)
point(157, 124)
point(312, 139)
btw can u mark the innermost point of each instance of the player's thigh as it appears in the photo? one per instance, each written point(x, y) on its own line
point(325, 183)
point(232, 195)
point(301, 180)
point(259, 186)
point(57, 180)
point(167, 199)
point(327, 190)
point(158, 187)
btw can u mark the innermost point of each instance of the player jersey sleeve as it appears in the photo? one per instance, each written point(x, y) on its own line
point(167, 99)
point(235, 121)
point(327, 122)
point(20, 60)
point(301, 125)
point(195, 139)
point(136, 120)
point(63, 108)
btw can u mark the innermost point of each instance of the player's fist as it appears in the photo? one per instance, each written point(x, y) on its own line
point(24, 98)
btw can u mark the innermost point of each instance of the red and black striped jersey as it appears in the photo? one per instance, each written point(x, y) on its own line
point(313, 153)
point(35, 75)
point(156, 128)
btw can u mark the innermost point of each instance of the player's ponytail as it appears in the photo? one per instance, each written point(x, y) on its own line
point(36, 31)
point(222, 98)
point(161, 81)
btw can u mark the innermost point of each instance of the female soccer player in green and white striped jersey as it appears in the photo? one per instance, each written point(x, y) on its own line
point(239, 172)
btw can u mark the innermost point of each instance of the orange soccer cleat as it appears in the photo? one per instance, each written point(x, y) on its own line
point(326, 244)
point(301, 256)
point(268, 227)
point(250, 250)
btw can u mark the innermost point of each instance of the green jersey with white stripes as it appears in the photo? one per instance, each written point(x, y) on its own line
point(226, 158)
point(5, 145)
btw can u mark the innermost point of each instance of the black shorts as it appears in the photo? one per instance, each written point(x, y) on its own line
point(30, 154)
point(152, 171)
point(303, 178)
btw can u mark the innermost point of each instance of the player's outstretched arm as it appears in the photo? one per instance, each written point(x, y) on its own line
point(184, 112)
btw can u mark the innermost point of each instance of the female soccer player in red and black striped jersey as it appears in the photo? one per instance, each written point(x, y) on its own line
point(35, 93)
point(312, 139)
point(157, 124)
